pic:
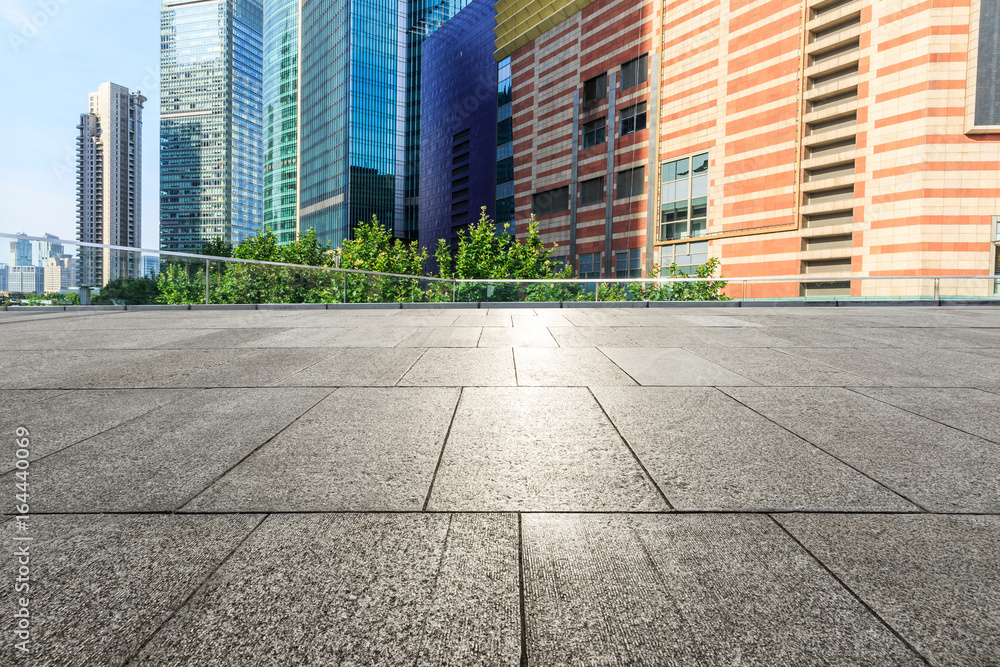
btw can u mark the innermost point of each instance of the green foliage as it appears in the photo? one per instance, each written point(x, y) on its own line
point(217, 247)
point(373, 248)
point(713, 290)
point(133, 291)
point(180, 283)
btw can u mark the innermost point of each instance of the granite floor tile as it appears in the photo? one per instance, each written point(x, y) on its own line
point(934, 466)
point(463, 367)
point(258, 368)
point(592, 336)
point(386, 336)
point(971, 410)
point(359, 449)
point(517, 337)
point(672, 367)
point(775, 368)
point(707, 452)
point(357, 367)
point(357, 589)
point(934, 579)
point(566, 367)
point(102, 585)
point(692, 590)
point(443, 337)
point(537, 449)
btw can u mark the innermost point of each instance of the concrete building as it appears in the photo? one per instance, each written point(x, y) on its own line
point(20, 252)
point(820, 137)
point(458, 139)
point(109, 184)
point(4, 270)
point(210, 121)
point(48, 249)
point(60, 273)
point(26, 280)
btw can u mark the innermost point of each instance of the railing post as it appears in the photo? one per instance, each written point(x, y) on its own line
point(345, 288)
point(744, 291)
point(208, 267)
point(454, 290)
point(937, 289)
point(597, 291)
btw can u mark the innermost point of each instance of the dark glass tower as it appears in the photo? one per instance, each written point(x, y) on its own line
point(281, 90)
point(359, 97)
point(210, 121)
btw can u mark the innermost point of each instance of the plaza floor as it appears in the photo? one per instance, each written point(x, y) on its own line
point(565, 486)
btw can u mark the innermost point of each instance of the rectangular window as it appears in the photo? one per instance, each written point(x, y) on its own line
point(592, 191)
point(550, 201)
point(595, 90)
point(627, 263)
point(631, 183)
point(594, 132)
point(505, 170)
point(590, 266)
point(988, 65)
point(684, 198)
point(633, 118)
point(635, 72)
point(505, 131)
point(687, 256)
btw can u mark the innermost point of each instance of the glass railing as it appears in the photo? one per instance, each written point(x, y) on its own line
point(46, 270)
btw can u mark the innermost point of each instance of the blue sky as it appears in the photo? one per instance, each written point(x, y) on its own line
point(52, 54)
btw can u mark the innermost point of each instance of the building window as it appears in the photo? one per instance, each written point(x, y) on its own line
point(635, 72)
point(505, 170)
point(590, 266)
point(592, 191)
point(595, 90)
point(684, 198)
point(631, 183)
point(505, 132)
point(627, 263)
point(633, 118)
point(687, 256)
point(987, 88)
point(550, 201)
point(594, 132)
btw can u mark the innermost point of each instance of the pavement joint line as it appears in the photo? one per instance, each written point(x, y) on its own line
point(444, 443)
point(131, 658)
point(665, 513)
point(783, 350)
point(434, 590)
point(190, 392)
point(987, 390)
point(922, 416)
point(513, 358)
point(520, 587)
point(670, 505)
point(850, 590)
point(482, 330)
point(277, 384)
point(409, 368)
point(253, 451)
point(613, 363)
point(831, 455)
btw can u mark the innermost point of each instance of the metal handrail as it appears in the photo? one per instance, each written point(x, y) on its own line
point(659, 280)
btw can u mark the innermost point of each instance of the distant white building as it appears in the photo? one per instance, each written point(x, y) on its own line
point(26, 280)
point(3, 278)
point(60, 272)
point(109, 184)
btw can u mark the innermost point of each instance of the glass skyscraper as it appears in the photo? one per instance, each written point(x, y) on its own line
point(211, 146)
point(359, 112)
point(281, 88)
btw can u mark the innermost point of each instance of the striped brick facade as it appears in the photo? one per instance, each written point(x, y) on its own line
point(841, 134)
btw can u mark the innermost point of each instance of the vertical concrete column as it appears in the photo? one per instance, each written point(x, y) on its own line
point(573, 179)
point(609, 179)
point(653, 171)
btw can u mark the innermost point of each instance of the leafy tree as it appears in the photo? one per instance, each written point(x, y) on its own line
point(711, 290)
point(133, 291)
point(218, 247)
point(374, 249)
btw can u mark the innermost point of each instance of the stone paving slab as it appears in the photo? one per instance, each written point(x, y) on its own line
point(159, 461)
point(443, 337)
point(776, 368)
point(517, 337)
point(56, 420)
point(568, 367)
point(357, 367)
point(357, 589)
point(707, 452)
point(974, 411)
point(101, 586)
point(458, 367)
point(686, 590)
point(934, 466)
point(382, 458)
point(934, 579)
point(908, 367)
point(537, 449)
point(673, 367)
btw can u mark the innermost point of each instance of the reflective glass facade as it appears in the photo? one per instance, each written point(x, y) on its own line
point(505, 146)
point(210, 129)
point(281, 89)
point(360, 112)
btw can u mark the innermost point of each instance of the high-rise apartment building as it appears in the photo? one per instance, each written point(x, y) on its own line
point(210, 121)
point(20, 252)
point(48, 249)
point(281, 91)
point(109, 184)
point(841, 138)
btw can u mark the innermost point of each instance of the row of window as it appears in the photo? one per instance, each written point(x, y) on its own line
point(633, 73)
point(631, 183)
point(631, 119)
